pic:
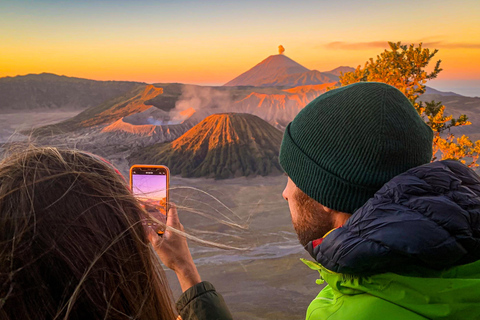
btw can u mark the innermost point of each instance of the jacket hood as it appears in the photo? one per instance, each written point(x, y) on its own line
point(425, 218)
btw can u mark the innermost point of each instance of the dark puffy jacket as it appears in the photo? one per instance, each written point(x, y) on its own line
point(428, 217)
point(411, 252)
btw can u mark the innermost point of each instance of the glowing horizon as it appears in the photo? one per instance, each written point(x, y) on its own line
point(213, 42)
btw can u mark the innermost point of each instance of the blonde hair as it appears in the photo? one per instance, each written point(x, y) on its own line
point(72, 245)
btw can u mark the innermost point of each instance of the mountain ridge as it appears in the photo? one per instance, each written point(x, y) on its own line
point(47, 91)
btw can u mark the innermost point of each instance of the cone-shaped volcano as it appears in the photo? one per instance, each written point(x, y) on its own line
point(268, 71)
point(281, 71)
point(221, 146)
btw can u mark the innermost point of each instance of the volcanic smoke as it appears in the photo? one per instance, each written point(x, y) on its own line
point(281, 49)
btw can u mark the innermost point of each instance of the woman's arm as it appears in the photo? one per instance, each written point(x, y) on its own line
point(199, 300)
point(202, 302)
point(172, 248)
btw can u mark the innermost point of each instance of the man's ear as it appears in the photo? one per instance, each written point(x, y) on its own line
point(328, 210)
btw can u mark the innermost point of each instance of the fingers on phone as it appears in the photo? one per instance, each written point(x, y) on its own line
point(172, 217)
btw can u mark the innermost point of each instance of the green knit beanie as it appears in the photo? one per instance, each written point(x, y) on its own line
point(347, 143)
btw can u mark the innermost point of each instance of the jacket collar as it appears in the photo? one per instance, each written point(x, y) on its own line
point(423, 218)
point(310, 247)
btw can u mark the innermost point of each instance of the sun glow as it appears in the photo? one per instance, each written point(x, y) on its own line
point(158, 42)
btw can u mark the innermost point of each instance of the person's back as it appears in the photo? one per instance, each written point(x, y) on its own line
point(74, 245)
point(70, 242)
point(393, 235)
point(411, 252)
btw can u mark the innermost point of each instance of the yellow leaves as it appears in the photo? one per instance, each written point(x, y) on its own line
point(464, 142)
point(439, 118)
point(404, 68)
point(463, 149)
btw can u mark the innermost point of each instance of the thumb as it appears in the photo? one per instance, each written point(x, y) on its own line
point(172, 217)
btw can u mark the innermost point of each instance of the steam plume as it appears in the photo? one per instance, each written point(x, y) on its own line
point(281, 49)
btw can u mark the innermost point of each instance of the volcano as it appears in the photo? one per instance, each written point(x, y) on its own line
point(221, 146)
point(281, 71)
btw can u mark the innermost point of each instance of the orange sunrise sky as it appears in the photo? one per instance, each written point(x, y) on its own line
point(211, 42)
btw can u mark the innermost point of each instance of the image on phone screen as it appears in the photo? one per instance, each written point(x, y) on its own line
point(150, 186)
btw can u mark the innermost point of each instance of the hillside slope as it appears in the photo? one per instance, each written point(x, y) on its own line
point(53, 92)
point(106, 113)
point(340, 70)
point(312, 77)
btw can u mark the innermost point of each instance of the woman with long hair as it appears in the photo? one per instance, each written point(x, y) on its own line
point(73, 246)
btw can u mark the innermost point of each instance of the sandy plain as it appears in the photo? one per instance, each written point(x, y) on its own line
point(12, 123)
point(265, 281)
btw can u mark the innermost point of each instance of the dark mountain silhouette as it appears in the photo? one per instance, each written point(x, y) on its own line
point(280, 70)
point(339, 70)
point(50, 91)
point(430, 90)
point(221, 146)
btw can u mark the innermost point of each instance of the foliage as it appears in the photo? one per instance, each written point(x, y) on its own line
point(404, 67)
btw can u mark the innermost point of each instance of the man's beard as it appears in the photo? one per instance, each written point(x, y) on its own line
point(313, 222)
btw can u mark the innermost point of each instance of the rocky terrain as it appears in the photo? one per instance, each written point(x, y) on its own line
point(279, 109)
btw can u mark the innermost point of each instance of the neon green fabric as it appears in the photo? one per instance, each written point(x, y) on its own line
point(451, 294)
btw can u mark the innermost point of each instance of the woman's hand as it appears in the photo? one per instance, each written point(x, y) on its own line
point(173, 250)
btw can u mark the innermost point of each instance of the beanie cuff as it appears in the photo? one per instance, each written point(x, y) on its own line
point(321, 185)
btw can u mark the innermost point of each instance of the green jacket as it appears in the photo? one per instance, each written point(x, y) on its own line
point(452, 294)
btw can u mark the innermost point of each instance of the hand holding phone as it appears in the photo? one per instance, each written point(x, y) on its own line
point(174, 253)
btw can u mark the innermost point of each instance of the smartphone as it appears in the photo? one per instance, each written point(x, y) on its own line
point(150, 184)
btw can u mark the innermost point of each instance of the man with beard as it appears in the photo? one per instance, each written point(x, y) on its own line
point(393, 235)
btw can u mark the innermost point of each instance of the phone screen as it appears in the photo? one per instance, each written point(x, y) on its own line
point(150, 186)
